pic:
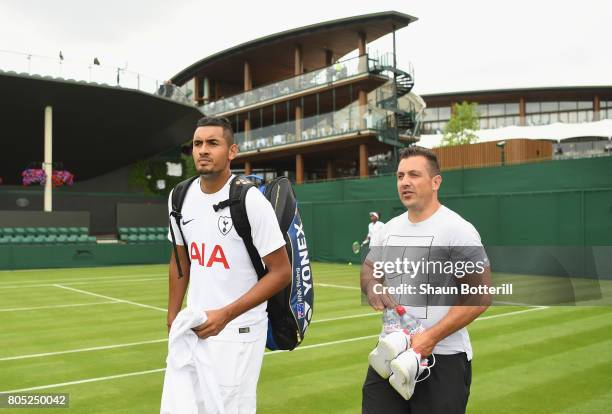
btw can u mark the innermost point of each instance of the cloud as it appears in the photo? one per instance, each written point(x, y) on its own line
point(475, 44)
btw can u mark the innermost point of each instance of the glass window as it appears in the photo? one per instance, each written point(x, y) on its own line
point(546, 118)
point(496, 109)
point(493, 123)
point(573, 117)
point(567, 105)
point(483, 109)
point(431, 114)
point(512, 120)
point(550, 106)
point(427, 128)
point(512, 109)
point(585, 105)
point(444, 113)
point(483, 122)
point(532, 107)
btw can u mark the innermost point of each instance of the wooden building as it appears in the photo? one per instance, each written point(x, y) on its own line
point(301, 108)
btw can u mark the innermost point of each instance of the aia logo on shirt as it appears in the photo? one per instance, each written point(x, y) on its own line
point(216, 257)
point(225, 224)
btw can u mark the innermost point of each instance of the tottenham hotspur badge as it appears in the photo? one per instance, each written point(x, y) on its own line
point(225, 224)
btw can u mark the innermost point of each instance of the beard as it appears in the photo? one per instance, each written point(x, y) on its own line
point(211, 171)
point(207, 174)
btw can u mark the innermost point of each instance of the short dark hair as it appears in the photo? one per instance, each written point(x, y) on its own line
point(415, 151)
point(228, 131)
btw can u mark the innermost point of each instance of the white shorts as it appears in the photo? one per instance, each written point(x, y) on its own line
point(236, 367)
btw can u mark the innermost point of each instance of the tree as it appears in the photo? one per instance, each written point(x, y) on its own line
point(460, 128)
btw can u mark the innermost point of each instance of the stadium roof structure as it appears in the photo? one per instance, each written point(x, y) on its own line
point(529, 93)
point(96, 128)
point(554, 132)
point(335, 35)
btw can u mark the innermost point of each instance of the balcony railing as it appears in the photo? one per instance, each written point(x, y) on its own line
point(67, 69)
point(346, 121)
point(338, 71)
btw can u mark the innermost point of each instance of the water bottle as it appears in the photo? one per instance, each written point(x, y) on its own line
point(391, 322)
point(408, 322)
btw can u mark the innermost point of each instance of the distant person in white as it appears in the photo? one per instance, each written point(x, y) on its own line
point(374, 226)
point(447, 389)
point(222, 281)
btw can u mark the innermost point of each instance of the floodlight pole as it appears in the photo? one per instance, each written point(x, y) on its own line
point(48, 163)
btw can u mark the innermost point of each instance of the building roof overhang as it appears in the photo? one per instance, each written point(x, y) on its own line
point(268, 61)
point(96, 128)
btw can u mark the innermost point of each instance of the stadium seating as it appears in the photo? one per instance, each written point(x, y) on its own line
point(45, 235)
point(143, 234)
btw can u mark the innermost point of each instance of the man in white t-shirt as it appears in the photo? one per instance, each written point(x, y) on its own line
point(428, 232)
point(373, 226)
point(221, 279)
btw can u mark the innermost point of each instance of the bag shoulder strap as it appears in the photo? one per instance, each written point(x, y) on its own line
point(178, 197)
point(237, 205)
point(178, 194)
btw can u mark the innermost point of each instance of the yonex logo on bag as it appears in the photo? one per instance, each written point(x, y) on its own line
point(225, 224)
point(304, 261)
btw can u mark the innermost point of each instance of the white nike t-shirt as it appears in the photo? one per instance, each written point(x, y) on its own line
point(374, 227)
point(444, 228)
point(221, 269)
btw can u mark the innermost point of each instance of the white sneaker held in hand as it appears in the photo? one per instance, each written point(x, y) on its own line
point(387, 350)
point(406, 369)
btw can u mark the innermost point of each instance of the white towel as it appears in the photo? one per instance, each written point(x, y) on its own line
point(183, 391)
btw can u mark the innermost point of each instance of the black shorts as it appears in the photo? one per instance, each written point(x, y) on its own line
point(446, 391)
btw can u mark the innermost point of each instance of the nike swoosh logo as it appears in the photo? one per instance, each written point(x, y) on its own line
point(187, 222)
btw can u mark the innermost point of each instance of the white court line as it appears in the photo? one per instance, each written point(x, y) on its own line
point(99, 348)
point(84, 278)
point(501, 302)
point(339, 318)
point(142, 305)
point(341, 341)
point(43, 387)
point(131, 374)
point(337, 286)
point(136, 280)
point(499, 315)
point(73, 351)
point(70, 351)
point(123, 279)
point(58, 306)
point(126, 281)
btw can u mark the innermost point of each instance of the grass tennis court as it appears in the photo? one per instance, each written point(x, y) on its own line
point(99, 334)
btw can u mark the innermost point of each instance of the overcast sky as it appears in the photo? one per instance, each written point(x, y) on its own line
point(454, 46)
